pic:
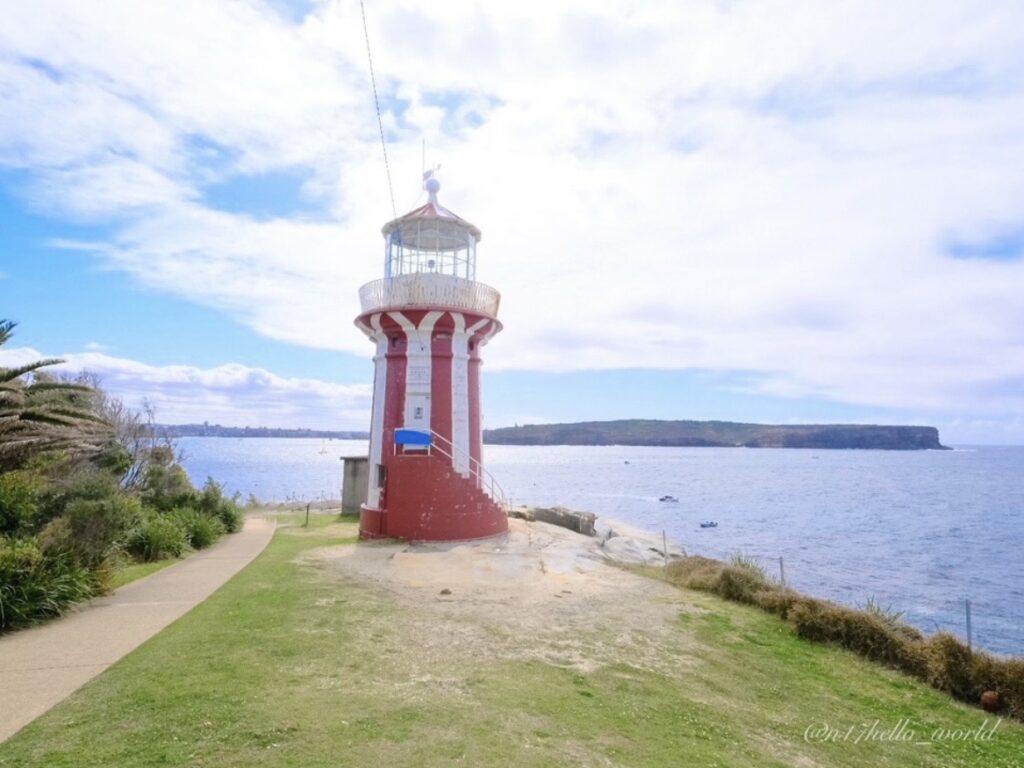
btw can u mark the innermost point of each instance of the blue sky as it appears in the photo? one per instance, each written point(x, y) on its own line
point(690, 211)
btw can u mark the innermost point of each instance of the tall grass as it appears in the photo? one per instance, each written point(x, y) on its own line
point(35, 586)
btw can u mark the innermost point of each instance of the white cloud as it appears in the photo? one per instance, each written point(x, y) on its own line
point(766, 187)
point(233, 394)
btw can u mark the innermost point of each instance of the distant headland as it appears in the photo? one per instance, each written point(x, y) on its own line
point(719, 434)
point(216, 430)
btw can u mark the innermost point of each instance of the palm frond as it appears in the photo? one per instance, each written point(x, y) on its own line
point(9, 374)
point(59, 386)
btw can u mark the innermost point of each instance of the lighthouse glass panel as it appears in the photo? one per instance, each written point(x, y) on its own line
point(433, 246)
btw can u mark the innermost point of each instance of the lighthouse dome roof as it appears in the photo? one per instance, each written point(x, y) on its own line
point(437, 218)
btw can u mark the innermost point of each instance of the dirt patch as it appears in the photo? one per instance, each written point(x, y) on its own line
point(539, 592)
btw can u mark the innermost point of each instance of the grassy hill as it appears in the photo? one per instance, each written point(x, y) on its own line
point(718, 434)
point(291, 664)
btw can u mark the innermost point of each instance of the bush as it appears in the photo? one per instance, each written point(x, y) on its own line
point(862, 633)
point(966, 674)
point(18, 503)
point(778, 601)
point(166, 485)
point(231, 516)
point(212, 502)
point(157, 537)
point(739, 560)
point(1007, 677)
point(876, 633)
point(90, 485)
point(200, 530)
point(94, 530)
point(739, 583)
point(34, 585)
point(949, 663)
point(694, 573)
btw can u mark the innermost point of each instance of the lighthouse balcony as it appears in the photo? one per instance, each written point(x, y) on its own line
point(428, 290)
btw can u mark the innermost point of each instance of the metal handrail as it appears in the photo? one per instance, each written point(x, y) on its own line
point(426, 289)
point(484, 480)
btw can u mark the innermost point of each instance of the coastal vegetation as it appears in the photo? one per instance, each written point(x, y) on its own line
point(291, 664)
point(87, 487)
point(718, 434)
point(876, 633)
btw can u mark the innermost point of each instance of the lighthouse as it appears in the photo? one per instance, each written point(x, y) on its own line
point(429, 318)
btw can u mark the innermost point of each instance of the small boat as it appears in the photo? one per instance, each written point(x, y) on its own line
point(669, 499)
point(709, 524)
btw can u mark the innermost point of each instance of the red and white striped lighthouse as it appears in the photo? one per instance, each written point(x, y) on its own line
point(429, 317)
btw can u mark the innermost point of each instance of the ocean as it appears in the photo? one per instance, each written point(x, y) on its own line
point(917, 531)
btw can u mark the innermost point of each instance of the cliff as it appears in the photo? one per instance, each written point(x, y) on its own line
point(719, 434)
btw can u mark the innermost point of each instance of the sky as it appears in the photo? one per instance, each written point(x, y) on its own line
point(774, 211)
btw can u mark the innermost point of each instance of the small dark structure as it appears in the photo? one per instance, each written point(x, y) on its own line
point(355, 476)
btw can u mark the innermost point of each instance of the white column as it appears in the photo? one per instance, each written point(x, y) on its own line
point(418, 368)
point(460, 396)
point(380, 379)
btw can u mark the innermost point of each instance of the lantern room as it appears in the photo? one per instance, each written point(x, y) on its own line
point(430, 239)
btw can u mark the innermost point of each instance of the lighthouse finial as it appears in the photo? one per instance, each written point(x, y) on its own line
point(431, 184)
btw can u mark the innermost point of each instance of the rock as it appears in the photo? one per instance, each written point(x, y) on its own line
point(626, 549)
point(580, 522)
point(446, 591)
point(991, 701)
point(624, 543)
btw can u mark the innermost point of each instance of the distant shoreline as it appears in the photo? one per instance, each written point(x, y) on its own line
point(720, 434)
point(641, 433)
point(216, 430)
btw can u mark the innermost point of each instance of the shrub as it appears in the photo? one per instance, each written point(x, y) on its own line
point(34, 585)
point(200, 530)
point(166, 485)
point(777, 600)
point(1007, 677)
point(157, 537)
point(967, 674)
point(211, 497)
point(18, 503)
point(96, 529)
point(90, 485)
point(694, 572)
point(949, 663)
point(231, 516)
point(212, 502)
point(739, 560)
point(739, 583)
point(859, 632)
point(875, 633)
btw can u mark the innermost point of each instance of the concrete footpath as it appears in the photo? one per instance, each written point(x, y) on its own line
point(41, 666)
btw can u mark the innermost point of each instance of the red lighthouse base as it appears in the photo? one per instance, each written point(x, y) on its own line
point(427, 500)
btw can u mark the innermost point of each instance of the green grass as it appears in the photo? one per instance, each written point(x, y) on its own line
point(126, 574)
point(291, 665)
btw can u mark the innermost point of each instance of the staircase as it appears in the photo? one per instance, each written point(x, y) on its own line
point(481, 481)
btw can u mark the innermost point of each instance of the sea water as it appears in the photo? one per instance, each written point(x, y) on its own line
point(917, 531)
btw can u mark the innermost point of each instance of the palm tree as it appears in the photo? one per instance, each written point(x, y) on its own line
point(40, 414)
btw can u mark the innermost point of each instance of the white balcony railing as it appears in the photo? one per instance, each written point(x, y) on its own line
point(425, 289)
